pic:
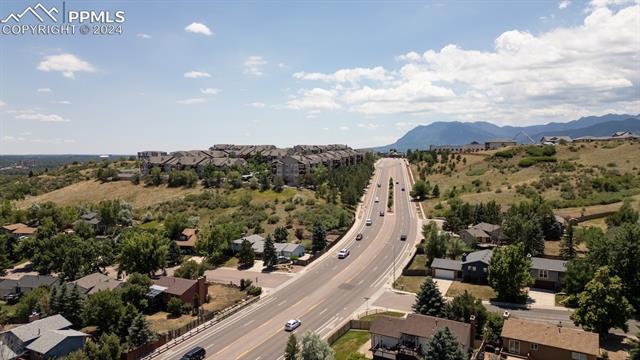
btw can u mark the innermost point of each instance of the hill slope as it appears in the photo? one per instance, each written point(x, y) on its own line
point(440, 133)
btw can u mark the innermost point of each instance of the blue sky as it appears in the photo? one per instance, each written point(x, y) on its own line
point(188, 74)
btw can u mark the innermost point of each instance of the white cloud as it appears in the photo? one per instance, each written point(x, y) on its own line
point(210, 91)
point(62, 102)
point(191, 101)
point(253, 65)
point(257, 105)
point(369, 126)
point(526, 78)
point(198, 28)
point(67, 64)
point(144, 36)
point(563, 4)
point(344, 128)
point(32, 115)
point(44, 90)
point(2, 103)
point(196, 74)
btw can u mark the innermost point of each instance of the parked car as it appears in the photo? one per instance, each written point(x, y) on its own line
point(343, 253)
point(369, 222)
point(403, 237)
point(359, 236)
point(292, 325)
point(197, 353)
point(381, 213)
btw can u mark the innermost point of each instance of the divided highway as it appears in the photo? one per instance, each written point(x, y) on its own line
point(328, 291)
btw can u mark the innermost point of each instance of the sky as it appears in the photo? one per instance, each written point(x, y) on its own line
point(185, 75)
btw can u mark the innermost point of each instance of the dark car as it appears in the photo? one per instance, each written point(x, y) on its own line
point(381, 213)
point(359, 236)
point(197, 353)
point(402, 189)
point(403, 237)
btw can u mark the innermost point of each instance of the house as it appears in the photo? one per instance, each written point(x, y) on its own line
point(471, 147)
point(19, 230)
point(11, 289)
point(405, 338)
point(482, 234)
point(95, 282)
point(552, 140)
point(475, 266)
point(188, 239)
point(191, 292)
point(446, 269)
point(548, 273)
point(540, 340)
point(10, 228)
point(253, 239)
point(46, 338)
point(283, 250)
point(498, 143)
point(289, 250)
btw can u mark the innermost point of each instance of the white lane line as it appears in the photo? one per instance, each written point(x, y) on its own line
point(282, 302)
point(323, 311)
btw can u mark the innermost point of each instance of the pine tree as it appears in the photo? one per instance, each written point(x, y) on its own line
point(269, 255)
point(246, 255)
point(173, 256)
point(126, 320)
point(292, 349)
point(140, 333)
point(443, 346)
point(280, 234)
point(568, 246)
point(314, 348)
point(436, 191)
point(319, 240)
point(429, 301)
point(73, 306)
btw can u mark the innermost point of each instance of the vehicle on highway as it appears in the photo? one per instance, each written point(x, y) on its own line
point(381, 213)
point(343, 253)
point(359, 236)
point(402, 189)
point(397, 182)
point(403, 237)
point(369, 222)
point(377, 199)
point(292, 325)
point(378, 184)
point(197, 353)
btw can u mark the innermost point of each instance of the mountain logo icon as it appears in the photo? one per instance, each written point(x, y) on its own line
point(38, 11)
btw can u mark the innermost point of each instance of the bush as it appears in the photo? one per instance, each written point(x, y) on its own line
point(175, 307)
point(254, 290)
point(273, 219)
point(289, 207)
point(245, 283)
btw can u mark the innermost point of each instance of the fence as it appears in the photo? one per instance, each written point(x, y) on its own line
point(144, 350)
point(354, 324)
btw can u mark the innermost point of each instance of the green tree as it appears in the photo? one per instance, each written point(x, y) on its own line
point(107, 348)
point(143, 252)
point(625, 215)
point(568, 246)
point(435, 245)
point(420, 190)
point(492, 328)
point(215, 241)
point(436, 191)
point(465, 305)
point(234, 179)
point(429, 301)
point(175, 224)
point(634, 351)
point(5, 262)
point(278, 184)
point(175, 306)
point(602, 305)
point(246, 255)
point(190, 270)
point(443, 345)
point(140, 332)
point(509, 273)
point(269, 255)
point(319, 238)
point(280, 234)
point(155, 176)
point(36, 300)
point(455, 247)
point(579, 273)
point(104, 310)
point(314, 348)
point(624, 254)
point(173, 253)
point(292, 349)
point(134, 290)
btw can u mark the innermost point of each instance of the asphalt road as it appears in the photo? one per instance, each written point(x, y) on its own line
point(327, 292)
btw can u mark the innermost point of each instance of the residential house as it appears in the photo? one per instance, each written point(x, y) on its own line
point(10, 228)
point(188, 238)
point(405, 338)
point(498, 143)
point(482, 235)
point(283, 250)
point(446, 269)
point(12, 289)
point(548, 273)
point(619, 135)
point(191, 292)
point(95, 282)
point(475, 266)
point(471, 147)
point(91, 219)
point(253, 239)
point(541, 341)
point(46, 338)
point(552, 140)
point(19, 230)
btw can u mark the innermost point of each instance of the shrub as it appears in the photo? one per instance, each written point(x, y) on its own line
point(175, 307)
point(289, 207)
point(254, 290)
point(273, 219)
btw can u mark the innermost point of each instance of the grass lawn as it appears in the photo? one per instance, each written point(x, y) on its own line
point(232, 262)
point(386, 313)
point(419, 262)
point(349, 343)
point(409, 283)
point(483, 292)
point(10, 309)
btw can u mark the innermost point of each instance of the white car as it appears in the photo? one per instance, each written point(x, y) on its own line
point(292, 325)
point(369, 222)
point(343, 253)
point(377, 199)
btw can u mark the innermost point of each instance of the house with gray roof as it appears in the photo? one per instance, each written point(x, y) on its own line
point(95, 282)
point(499, 143)
point(548, 273)
point(446, 269)
point(50, 337)
point(11, 289)
point(285, 250)
point(475, 266)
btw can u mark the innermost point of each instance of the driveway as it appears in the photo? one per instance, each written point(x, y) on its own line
point(541, 299)
point(443, 285)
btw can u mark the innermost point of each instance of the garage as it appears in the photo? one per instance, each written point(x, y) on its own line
point(446, 269)
point(445, 274)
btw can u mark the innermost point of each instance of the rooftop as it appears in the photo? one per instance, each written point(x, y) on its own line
point(552, 335)
point(420, 325)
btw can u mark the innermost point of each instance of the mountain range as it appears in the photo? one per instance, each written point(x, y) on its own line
point(456, 133)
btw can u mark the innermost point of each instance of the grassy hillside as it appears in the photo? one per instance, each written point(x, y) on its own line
point(575, 177)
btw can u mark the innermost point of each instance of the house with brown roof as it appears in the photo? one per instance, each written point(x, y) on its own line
point(188, 239)
point(191, 292)
point(541, 341)
point(95, 282)
point(482, 234)
point(405, 338)
point(19, 230)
